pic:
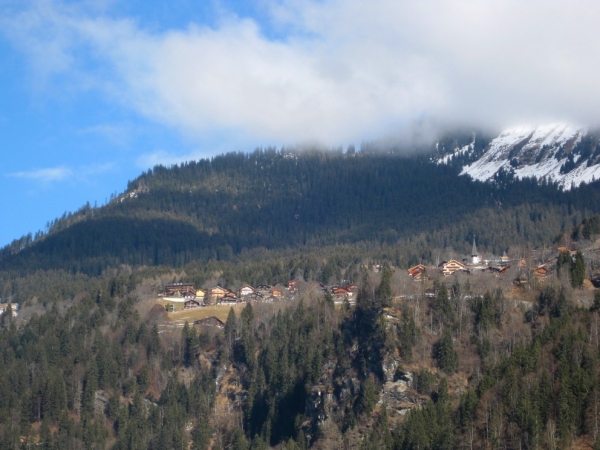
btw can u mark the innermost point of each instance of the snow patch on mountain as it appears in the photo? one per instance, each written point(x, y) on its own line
point(549, 152)
point(461, 151)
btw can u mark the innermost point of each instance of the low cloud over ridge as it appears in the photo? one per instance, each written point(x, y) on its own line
point(338, 72)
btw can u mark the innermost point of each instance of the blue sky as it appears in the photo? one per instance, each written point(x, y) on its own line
point(93, 92)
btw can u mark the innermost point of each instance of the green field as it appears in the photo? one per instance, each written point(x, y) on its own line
point(181, 315)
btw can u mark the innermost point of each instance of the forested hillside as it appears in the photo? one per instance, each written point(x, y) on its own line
point(98, 367)
point(468, 361)
point(220, 208)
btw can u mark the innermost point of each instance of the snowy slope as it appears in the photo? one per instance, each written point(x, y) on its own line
point(559, 153)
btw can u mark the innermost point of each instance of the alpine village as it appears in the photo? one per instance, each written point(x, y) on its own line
point(372, 298)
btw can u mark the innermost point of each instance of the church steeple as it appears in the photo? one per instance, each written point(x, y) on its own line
point(475, 259)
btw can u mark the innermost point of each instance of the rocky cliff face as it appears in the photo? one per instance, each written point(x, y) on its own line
point(558, 153)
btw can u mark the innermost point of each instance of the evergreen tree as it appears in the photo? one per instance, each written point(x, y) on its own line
point(384, 290)
point(578, 270)
point(445, 355)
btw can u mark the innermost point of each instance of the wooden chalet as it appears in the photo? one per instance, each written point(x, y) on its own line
point(256, 297)
point(230, 300)
point(352, 290)
point(246, 290)
point(452, 266)
point(182, 289)
point(200, 292)
point(218, 293)
point(291, 285)
point(210, 322)
point(418, 272)
point(340, 293)
point(277, 293)
point(191, 304)
point(541, 272)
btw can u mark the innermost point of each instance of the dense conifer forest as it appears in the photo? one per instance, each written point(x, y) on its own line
point(473, 361)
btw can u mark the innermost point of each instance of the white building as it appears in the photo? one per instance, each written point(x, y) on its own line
point(475, 258)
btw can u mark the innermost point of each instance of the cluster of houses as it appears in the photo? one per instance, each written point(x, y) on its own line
point(446, 268)
point(540, 271)
point(419, 272)
point(193, 297)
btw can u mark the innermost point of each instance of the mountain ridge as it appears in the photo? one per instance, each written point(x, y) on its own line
point(223, 207)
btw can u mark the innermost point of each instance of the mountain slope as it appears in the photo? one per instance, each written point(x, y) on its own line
point(219, 208)
point(562, 154)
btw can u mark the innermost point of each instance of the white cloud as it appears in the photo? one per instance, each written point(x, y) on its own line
point(161, 157)
point(57, 174)
point(347, 70)
point(47, 175)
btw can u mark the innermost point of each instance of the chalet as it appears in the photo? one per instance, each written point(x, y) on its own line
point(246, 290)
point(449, 267)
point(541, 272)
point(340, 293)
point(181, 289)
point(291, 285)
point(418, 272)
point(200, 292)
point(504, 259)
point(217, 293)
point(210, 322)
point(352, 290)
point(230, 300)
point(277, 293)
point(190, 304)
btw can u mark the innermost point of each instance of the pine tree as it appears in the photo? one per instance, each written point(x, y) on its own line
point(578, 270)
point(445, 355)
point(384, 290)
